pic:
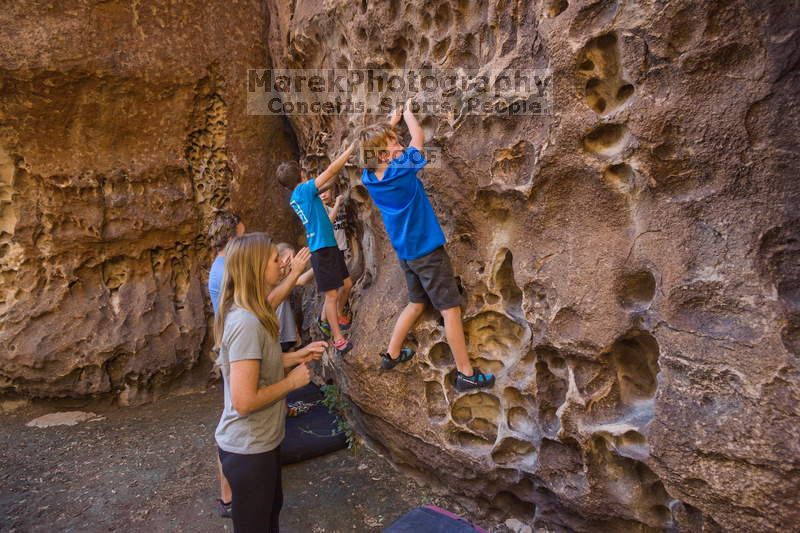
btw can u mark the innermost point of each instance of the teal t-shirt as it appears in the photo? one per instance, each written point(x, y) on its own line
point(309, 207)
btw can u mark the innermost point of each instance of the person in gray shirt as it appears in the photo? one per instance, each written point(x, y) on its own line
point(256, 379)
point(286, 318)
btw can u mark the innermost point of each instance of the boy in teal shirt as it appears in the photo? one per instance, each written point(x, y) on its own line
point(328, 262)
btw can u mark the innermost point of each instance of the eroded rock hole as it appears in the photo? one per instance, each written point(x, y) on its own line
point(470, 440)
point(635, 290)
point(493, 336)
point(625, 92)
point(633, 483)
point(115, 273)
point(520, 420)
point(488, 365)
point(435, 398)
point(606, 90)
point(479, 412)
point(512, 165)
point(620, 177)
point(606, 140)
point(504, 280)
point(635, 357)
point(519, 414)
point(512, 450)
point(555, 8)
point(508, 503)
point(551, 391)
point(443, 17)
point(440, 355)
point(790, 334)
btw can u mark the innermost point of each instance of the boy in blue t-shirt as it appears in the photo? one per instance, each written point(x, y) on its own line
point(328, 262)
point(390, 176)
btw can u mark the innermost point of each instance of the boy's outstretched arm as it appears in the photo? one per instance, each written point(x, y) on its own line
point(326, 180)
point(416, 131)
point(305, 277)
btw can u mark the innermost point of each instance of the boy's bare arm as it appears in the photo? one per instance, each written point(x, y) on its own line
point(326, 180)
point(337, 204)
point(305, 277)
point(416, 131)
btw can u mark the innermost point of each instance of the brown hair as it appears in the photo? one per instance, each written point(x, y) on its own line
point(288, 174)
point(244, 282)
point(222, 229)
point(373, 140)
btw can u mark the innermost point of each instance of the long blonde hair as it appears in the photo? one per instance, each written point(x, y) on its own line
point(244, 282)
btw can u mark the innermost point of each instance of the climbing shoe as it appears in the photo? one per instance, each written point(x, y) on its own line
point(342, 347)
point(478, 380)
point(387, 363)
point(224, 509)
point(344, 323)
point(324, 328)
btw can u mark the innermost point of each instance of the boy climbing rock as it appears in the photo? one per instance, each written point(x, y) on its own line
point(390, 176)
point(328, 262)
point(336, 214)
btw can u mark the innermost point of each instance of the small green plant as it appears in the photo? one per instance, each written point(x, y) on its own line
point(332, 399)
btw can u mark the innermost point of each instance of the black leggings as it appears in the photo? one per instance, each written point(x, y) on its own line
point(257, 493)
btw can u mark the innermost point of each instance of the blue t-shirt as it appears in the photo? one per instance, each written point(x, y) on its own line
point(306, 203)
point(215, 281)
point(407, 213)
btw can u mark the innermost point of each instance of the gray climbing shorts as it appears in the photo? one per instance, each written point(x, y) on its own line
point(430, 278)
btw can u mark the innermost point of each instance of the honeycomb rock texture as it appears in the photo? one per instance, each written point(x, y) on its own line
point(630, 261)
point(122, 127)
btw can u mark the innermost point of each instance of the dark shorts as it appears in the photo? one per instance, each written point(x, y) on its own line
point(330, 268)
point(430, 279)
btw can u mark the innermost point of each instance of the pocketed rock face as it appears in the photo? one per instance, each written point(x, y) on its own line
point(122, 127)
point(629, 261)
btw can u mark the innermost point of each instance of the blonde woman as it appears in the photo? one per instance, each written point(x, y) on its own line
point(256, 378)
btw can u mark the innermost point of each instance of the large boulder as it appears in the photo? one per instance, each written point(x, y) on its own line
point(629, 261)
point(122, 128)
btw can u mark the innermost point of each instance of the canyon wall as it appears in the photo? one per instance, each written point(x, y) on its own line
point(122, 128)
point(629, 260)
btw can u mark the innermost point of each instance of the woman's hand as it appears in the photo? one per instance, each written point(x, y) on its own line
point(300, 376)
point(312, 352)
point(300, 262)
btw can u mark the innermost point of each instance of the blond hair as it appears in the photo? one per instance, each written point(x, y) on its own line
point(244, 282)
point(372, 141)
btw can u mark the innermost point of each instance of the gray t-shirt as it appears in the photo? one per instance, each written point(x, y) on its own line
point(286, 323)
point(339, 233)
point(263, 430)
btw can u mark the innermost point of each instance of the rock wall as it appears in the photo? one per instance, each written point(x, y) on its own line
point(629, 261)
point(122, 127)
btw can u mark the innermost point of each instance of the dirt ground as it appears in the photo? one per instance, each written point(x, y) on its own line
point(151, 468)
